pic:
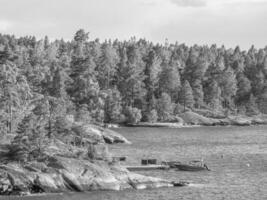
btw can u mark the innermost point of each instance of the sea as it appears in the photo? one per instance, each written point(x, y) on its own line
point(237, 157)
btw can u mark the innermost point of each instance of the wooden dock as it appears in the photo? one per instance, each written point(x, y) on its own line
point(147, 167)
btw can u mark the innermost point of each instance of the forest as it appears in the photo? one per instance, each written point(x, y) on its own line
point(42, 81)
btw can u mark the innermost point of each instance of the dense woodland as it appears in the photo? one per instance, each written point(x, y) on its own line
point(122, 81)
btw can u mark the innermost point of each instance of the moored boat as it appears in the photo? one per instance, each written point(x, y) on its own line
point(192, 166)
point(188, 167)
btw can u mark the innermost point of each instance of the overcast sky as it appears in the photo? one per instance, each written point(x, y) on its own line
point(228, 22)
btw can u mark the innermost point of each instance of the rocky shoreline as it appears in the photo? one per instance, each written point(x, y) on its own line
point(193, 119)
point(59, 174)
point(66, 167)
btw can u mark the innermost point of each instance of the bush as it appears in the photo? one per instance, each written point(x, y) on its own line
point(83, 115)
point(152, 116)
point(62, 125)
point(132, 115)
point(178, 109)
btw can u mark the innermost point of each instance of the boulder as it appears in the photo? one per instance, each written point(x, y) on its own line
point(259, 119)
point(111, 136)
point(240, 120)
point(96, 134)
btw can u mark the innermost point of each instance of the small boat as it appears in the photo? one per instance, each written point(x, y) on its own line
point(192, 166)
point(188, 167)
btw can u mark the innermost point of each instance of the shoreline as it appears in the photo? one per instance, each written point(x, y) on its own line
point(191, 120)
point(63, 167)
point(174, 125)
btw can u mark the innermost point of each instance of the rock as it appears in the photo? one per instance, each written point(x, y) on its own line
point(49, 182)
point(240, 120)
point(111, 136)
point(96, 134)
point(102, 153)
point(259, 119)
point(112, 125)
point(5, 184)
point(69, 174)
point(138, 181)
point(210, 113)
point(74, 161)
point(197, 119)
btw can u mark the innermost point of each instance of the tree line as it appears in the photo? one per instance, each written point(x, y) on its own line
point(122, 81)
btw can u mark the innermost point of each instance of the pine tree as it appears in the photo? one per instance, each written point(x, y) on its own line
point(107, 66)
point(169, 79)
point(186, 96)
point(164, 107)
point(212, 95)
point(85, 88)
point(9, 89)
point(46, 42)
point(131, 75)
point(198, 93)
point(228, 85)
point(152, 71)
point(23, 129)
point(59, 83)
point(244, 89)
point(113, 107)
point(251, 106)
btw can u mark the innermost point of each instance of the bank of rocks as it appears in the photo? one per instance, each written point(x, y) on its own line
point(201, 118)
point(59, 174)
point(194, 118)
point(75, 160)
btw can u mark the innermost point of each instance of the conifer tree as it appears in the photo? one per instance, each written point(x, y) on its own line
point(198, 93)
point(243, 89)
point(169, 79)
point(251, 106)
point(164, 107)
point(131, 75)
point(113, 107)
point(186, 96)
point(228, 85)
point(107, 66)
point(152, 72)
point(212, 95)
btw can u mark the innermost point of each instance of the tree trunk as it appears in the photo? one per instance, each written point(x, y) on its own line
point(10, 118)
point(132, 100)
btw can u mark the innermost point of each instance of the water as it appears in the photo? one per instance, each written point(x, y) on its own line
point(237, 157)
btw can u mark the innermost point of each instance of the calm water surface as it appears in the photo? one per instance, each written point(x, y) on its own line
point(237, 157)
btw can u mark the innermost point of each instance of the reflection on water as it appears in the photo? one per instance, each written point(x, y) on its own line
point(237, 157)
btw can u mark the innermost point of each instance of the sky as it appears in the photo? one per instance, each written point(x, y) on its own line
point(221, 22)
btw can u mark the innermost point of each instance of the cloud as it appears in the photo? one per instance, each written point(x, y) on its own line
point(4, 25)
point(189, 3)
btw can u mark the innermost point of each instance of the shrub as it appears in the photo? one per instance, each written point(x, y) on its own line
point(132, 115)
point(178, 109)
point(152, 116)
